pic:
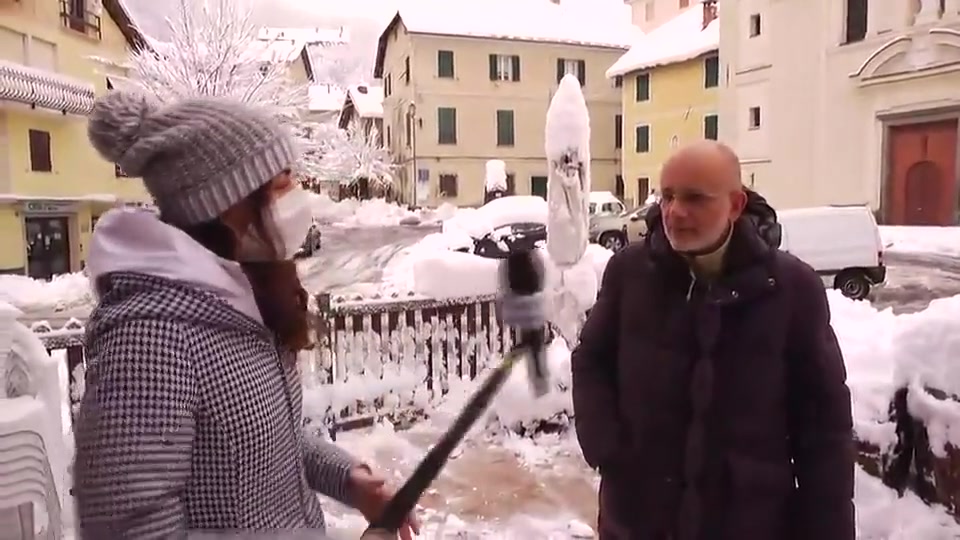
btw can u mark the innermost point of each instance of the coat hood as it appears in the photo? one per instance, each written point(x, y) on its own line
point(140, 267)
point(758, 214)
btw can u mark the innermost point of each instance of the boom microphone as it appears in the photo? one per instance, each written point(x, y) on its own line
point(523, 272)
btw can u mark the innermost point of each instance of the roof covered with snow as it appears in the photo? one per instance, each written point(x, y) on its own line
point(326, 97)
point(367, 100)
point(678, 40)
point(516, 20)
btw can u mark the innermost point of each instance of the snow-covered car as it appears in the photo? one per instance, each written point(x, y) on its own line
point(312, 243)
point(512, 238)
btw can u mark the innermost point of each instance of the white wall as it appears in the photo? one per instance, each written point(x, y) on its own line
point(821, 137)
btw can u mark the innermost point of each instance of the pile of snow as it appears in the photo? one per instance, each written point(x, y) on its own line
point(62, 293)
point(496, 176)
point(922, 240)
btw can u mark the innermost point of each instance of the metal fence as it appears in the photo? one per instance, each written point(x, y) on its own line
point(375, 357)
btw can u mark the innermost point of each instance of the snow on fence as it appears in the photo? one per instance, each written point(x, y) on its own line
point(375, 357)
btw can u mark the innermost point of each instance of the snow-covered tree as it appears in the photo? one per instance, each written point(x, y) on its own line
point(345, 156)
point(214, 49)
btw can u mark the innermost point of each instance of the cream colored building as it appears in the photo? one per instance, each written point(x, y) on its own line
point(846, 102)
point(464, 85)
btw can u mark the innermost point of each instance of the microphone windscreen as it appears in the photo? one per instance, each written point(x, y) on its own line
point(523, 272)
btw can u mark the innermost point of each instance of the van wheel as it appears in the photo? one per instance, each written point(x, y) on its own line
point(613, 241)
point(853, 285)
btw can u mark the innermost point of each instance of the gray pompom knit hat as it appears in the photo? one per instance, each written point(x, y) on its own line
point(197, 157)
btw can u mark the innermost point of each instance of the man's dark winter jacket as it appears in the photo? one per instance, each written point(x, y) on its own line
point(716, 412)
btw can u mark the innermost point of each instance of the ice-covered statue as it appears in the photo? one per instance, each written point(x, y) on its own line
point(573, 287)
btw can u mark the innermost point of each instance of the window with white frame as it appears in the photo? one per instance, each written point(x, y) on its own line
point(753, 121)
point(504, 67)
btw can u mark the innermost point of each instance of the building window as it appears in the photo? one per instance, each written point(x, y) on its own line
point(387, 86)
point(76, 15)
point(855, 28)
point(649, 12)
point(446, 125)
point(618, 187)
point(754, 122)
point(710, 127)
point(711, 72)
point(618, 81)
point(389, 138)
point(643, 87)
point(511, 184)
point(755, 26)
point(577, 68)
point(504, 67)
point(409, 129)
point(445, 64)
point(684, 4)
point(618, 131)
point(40, 158)
point(406, 70)
point(643, 189)
point(538, 186)
point(642, 145)
point(505, 135)
point(448, 185)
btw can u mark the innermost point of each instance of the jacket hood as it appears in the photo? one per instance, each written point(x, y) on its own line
point(141, 267)
point(758, 214)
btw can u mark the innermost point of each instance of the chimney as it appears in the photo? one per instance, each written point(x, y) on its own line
point(709, 12)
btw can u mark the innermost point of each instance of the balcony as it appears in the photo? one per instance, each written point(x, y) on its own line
point(44, 90)
point(78, 16)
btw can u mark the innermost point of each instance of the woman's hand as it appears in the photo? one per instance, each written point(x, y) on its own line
point(369, 494)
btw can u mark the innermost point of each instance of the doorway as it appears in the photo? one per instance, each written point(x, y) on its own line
point(48, 246)
point(922, 160)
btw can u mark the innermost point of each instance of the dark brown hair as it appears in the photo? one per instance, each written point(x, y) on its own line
point(276, 286)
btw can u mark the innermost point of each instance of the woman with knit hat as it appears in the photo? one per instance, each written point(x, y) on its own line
point(191, 420)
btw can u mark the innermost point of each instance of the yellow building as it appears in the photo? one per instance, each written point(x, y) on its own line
point(468, 82)
point(54, 58)
point(670, 79)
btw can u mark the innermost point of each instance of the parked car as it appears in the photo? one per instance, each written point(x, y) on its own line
point(608, 224)
point(508, 239)
point(312, 243)
point(842, 243)
point(636, 222)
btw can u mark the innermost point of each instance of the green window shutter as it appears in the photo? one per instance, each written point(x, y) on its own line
point(493, 67)
point(711, 127)
point(711, 72)
point(538, 186)
point(445, 64)
point(560, 73)
point(582, 72)
point(516, 68)
point(505, 133)
point(618, 131)
point(446, 125)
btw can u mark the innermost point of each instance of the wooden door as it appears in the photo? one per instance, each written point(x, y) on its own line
point(922, 174)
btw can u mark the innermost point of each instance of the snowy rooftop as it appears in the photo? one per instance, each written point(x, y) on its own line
point(526, 20)
point(326, 97)
point(679, 39)
point(306, 35)
point(367, 100)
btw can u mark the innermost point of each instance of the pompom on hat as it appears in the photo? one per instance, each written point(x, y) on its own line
point(197, 157)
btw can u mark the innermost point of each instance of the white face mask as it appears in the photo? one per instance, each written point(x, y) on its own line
point(291, 217)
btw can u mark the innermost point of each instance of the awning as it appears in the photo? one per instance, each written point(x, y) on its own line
point(45, 89)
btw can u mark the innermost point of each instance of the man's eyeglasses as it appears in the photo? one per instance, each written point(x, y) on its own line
point(687, 197)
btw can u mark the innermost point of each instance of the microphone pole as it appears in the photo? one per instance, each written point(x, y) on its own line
point(523, 274)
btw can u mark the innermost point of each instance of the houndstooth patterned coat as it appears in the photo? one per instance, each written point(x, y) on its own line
point(190, 421)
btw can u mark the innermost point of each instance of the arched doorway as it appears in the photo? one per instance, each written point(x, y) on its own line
point(924, 189)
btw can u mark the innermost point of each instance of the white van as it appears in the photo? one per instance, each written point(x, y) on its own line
point(842, 243)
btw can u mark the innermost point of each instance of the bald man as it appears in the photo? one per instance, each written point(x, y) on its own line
point(708, 386)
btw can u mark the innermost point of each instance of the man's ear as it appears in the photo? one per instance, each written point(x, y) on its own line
point(738, 201)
